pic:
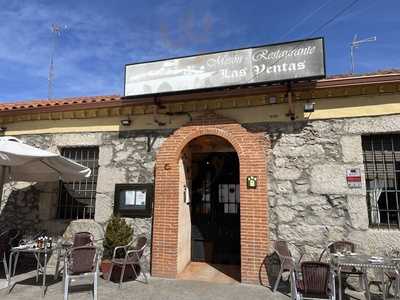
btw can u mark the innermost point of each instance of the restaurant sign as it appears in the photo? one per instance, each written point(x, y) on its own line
point(279, 62)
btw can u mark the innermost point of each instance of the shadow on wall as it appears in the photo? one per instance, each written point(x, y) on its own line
point(31, 208)
point(275, 130)
point(20, 208)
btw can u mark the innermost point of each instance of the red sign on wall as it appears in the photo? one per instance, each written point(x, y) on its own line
point(353, 178)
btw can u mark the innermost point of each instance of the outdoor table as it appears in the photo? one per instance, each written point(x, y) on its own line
point(37, 253)
point(364, 262)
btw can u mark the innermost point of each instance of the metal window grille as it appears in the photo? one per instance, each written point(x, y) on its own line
point(382, 174)
point(77, 199)
point(229, 195)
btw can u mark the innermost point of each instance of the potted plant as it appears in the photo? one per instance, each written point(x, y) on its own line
point(118, 233)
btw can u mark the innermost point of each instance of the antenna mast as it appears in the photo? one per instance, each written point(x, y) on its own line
point(56, 30)
point(354, 45)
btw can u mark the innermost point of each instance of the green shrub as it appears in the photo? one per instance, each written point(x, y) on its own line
point(118, 233)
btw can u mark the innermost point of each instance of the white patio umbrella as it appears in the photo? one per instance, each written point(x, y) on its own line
point(21, 162)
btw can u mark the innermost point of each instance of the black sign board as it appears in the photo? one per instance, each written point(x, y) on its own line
point(279, 62)
point(133, 200)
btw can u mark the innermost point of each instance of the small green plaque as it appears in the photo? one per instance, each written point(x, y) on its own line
point(251, 182)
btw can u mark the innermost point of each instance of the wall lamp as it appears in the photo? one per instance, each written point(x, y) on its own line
point(126, 122)
point(309, 107)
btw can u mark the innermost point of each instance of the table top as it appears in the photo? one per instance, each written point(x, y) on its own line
point(365, 261)
point(31, 248)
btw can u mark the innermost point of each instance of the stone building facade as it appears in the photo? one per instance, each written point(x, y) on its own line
point(310, 200)
point(302, 193)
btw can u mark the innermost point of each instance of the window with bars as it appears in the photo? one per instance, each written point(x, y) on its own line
point(77, 199)
point(382, 174)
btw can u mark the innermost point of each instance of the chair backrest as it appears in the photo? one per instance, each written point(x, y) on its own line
point(140, 245)
point(82, 260)
point(315, 279)
point(342, 246)
point(4, 233)
point(82, 239)
point(282, 249)
point(4, 247)
point(338, 246)
point(8, 238)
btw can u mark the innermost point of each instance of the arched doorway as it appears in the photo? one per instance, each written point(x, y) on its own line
point(212, 182)
point(172, 225)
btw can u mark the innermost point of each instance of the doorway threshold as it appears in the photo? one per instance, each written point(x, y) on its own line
point(201, 271)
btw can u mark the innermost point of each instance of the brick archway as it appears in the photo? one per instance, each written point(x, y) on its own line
point(254, 231)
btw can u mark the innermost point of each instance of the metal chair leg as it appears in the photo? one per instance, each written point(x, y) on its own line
point(66, 283)
point(278, 279)
point(110, 271)
point(122, 275)
point(63, 280)
point(143, 272)
point(145, 277)
point(5, 266)
point(15, 263)
point(332, 285)
point(57, 272)
point(37, 272)
point(295, 295)
point(95, 286)
point(134, 271)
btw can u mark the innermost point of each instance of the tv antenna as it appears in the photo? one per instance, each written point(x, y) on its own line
point(354, 45)
point(56, 30)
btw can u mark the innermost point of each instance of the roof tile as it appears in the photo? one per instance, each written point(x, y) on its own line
point(70, 102)
point(20, 105)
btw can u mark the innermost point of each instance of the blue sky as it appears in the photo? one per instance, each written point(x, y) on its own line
point(102, 36)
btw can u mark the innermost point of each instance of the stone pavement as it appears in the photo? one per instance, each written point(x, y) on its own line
point(156, 289)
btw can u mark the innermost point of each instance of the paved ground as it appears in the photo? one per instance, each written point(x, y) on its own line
point(156, 289)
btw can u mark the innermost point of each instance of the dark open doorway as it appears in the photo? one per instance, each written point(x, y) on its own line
point(215, 206)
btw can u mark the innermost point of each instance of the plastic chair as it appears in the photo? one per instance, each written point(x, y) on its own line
point(81, 262)
point(133, 256)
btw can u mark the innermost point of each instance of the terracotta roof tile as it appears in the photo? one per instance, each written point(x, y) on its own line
point(22, 105)
point(379, 72)
point(67, 103)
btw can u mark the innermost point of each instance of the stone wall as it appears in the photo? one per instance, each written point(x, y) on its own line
point(123, 158)
point(310, 202)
